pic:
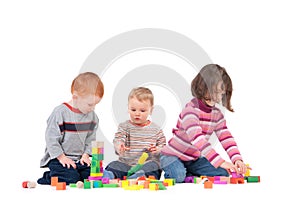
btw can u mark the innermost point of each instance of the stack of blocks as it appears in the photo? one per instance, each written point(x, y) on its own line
point(96, 165)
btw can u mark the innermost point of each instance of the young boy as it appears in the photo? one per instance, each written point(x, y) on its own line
point(70, 129)
point(136, 136)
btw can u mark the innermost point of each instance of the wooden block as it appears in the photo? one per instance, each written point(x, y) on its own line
point(61, 186)
point(54, 180)
point(208, 184)
point(97, 144)
point(253, 179)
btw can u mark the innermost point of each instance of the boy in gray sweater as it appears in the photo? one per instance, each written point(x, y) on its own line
point(71, 128)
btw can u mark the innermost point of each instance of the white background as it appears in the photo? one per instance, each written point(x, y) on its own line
point(43, 45)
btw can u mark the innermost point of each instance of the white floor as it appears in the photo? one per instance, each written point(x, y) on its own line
point(178, 191)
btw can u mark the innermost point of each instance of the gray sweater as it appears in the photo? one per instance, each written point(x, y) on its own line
point(70, 132)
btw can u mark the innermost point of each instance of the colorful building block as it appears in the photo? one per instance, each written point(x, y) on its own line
point(252, 179)
point(28, 184)
point(208, 184)
point(61, 186)
point(54, 180)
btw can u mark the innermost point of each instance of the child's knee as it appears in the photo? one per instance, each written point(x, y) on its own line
point(179, 178)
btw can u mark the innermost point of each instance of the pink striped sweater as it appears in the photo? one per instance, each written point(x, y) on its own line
point(195, 125)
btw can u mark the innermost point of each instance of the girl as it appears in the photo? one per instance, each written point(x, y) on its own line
point(188, 152)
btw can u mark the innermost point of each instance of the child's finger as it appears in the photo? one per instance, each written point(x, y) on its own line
point(126, 148)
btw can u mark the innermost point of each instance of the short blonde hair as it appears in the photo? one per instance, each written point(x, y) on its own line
point(88, 83)
point(142, 94)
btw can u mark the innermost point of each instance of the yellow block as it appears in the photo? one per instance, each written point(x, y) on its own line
point(153, 186)
point(96, 174)
point(143, 158)
point(247, 171)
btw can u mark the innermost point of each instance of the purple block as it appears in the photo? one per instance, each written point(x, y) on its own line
point(105, 180)
point(189, 179)
point(235, 175)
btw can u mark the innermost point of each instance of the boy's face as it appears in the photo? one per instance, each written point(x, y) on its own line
point(86, 103)
point(139, 110)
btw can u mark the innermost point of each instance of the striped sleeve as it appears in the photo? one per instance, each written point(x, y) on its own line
point(191, 124)
point(161, 140)
point(120, 136)
point(227, 141)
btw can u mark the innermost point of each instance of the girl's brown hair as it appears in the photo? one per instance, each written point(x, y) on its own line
point(204, 84)
point(88, 83)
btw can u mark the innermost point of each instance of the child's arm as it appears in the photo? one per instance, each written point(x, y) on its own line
point(160, 143)
point(54, 138)
point(120, 140)
point(192, 131)
point(227, 141)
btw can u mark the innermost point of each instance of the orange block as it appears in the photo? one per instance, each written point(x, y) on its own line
point(146, 184)
point(61, 186)
point(211, 178)
point(151, 177)
point(54, 180)
point(208, 185)
point(240, 180)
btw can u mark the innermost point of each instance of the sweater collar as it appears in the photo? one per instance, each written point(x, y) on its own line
point(202, 106)
point(75, 110)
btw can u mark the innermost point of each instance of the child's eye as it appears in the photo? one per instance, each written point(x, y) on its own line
point(133, 110)
point(143, 110)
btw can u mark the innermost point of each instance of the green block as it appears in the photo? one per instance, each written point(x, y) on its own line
point(253, 179)
point(155, 181)
point(134, 169)
point(161, 186)
point(111, 185)
point(73, 185)
point(95, 163)
point(97, 157)
point(95, 169)
point(97, 184)
point(87, 185)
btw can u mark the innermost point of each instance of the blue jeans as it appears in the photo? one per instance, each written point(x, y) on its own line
point(120, 169)
point(64, 174)
point(178, 169)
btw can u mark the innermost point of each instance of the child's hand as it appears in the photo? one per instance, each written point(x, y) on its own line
point(66, 162)
point(122, 148)
point(153, 149)
point(229, 167)
point(85, 158)
point(241, 166)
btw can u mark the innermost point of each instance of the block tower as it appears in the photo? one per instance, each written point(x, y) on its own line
point(97, 161)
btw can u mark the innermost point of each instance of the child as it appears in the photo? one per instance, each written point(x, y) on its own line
point(136, 136)
point(70, 129)
point(189, 152)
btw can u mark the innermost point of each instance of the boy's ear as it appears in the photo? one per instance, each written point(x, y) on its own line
point(74, 96)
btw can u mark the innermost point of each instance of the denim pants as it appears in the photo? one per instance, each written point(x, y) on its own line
point(120, 169)
point(178, 169)
point(64, 174)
